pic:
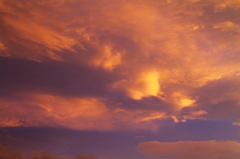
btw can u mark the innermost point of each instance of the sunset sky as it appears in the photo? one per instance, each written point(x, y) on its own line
point(119, 79)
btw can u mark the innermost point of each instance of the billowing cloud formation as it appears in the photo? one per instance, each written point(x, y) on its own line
point(192, 149)
point(7, 152)
point(124, 64)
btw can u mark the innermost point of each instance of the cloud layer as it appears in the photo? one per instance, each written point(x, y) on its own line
point(10, 153)
point(192, 149)
point(124, 64)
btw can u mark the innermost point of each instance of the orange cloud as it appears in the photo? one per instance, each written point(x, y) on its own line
point(163, 55)
point(75, 113)
point(182, 101)
point(146, 84)
point(55, 111)
point(108, 60)
point(3, 51)
point(191, 149)
point(2, 46)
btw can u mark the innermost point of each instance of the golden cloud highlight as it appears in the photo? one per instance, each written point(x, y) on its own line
point(146, 84)
point(182, 101)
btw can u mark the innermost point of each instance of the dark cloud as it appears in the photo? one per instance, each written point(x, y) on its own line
point(59, 78)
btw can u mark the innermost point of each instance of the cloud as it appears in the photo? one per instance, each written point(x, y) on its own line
point(125, 64)
point(223, 4)
point(76, 113)
point(2, 47)
point(86, 157)
point(143, 86)
point(7, 152)
point(192, 149)
point(228, 26)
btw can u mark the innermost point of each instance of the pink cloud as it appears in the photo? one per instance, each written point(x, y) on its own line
point(192, 149)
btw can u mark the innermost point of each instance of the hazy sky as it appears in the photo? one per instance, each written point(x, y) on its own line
point(119, 79)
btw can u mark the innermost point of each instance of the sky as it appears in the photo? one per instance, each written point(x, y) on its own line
point(119, 79)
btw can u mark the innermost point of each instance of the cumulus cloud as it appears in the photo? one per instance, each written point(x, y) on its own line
point(191, 149)
point(77, 63)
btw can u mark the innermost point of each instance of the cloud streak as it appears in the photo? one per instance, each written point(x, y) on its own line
point(10, 153)
point(191, 149)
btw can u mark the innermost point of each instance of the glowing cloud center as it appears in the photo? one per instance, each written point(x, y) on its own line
point(146, 85)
